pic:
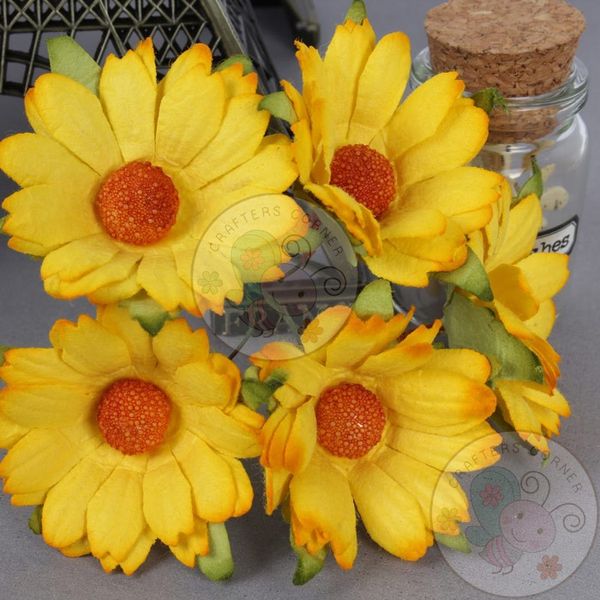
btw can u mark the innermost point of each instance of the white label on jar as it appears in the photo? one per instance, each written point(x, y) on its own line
point(559, 240)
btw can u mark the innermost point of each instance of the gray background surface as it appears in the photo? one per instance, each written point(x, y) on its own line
point(264, 563)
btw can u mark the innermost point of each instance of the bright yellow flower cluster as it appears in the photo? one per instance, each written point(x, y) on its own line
point(126, 438)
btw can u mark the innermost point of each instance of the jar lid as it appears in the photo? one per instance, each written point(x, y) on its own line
point(521, 47)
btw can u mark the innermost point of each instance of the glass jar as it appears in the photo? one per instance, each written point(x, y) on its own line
point(550, 128)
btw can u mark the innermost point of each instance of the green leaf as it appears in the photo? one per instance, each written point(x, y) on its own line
point(357, 12)
point(375, 299)
point(471, 277)
point(456, 542)
point(35, 520)
point(489, 99)
point(150, 315)
point(2, 221)
point(255, 393)
point(242, 59)
point(3, 350)
point(280, 106)
point(68, 58)
point(308, 564)
point(217, 565)
point(534, 185)
point(477, 328)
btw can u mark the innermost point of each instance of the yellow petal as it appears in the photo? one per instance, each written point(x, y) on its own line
point(145, 50)
point(324, 328)
point(420, 115)
point(78, 258)
point(190, 114)
point(65, 508)
point(73, 116)
point(473, 448)
point(398, 360)
point(10, 432)
point(199, 383)
point(412, 223)
point(303, 150)
point(277, 483)
point(38, 461)
point(400, 268)
point(88, 347)
point(237, 140)
point(47, 405)
point(157, 274)
point(138, 554)
point(117, 270)
point(474, 220)
point(437, 397)
point(542, 323)
point(302, 439)
point(469, 363)
point(296, 99)
point(176, 344)
point(380, 87)
point(392, 516)
point(454, 192)
point(222, 432)
point(511, 288)
point(345, 60)
point(213, 485)
point(167, 500)
point(191, 546)
point(128, 96)
point(31, 159)
point(523, 226)
point(77, 549)
point(360, 339)
point(456, 142)
point(433, 490)
point(115, 518)
point(236, 83)
point(116, 291)
point(320, 501)
point(358, 220)
point(195, 56)
point(545, 273)
point(274, 437)
point(50, 215)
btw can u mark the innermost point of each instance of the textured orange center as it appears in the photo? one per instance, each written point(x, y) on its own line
point(138, 204)
point(366, 175)
point(133, 415)
point(350, 420)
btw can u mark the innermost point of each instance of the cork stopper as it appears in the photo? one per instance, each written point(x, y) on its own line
point(521, 47)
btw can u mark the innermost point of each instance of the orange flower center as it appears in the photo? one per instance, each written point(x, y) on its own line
point(366, 175)
point(350, 420)
point(133, 415)
point(138, 204)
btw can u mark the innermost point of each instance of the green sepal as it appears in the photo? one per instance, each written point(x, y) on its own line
point(217, 565)
point(255, 393)
point(150, 315)
point(35, 520)
point(308, 564)
point(375, 299)
point(242, 59)
point(489, 99)
point(280, 106)
point(357, 12)
point(470, 326)
point(471, 277)
point(68, 58)
point(2, 221)
point(3, 350)
point(455, 542)
point(534, 185)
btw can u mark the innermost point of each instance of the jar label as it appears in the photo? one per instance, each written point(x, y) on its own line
point(558, 240)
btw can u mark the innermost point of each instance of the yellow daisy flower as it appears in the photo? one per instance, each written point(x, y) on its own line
point(125, 438)
point(393, 173)
point(118, 188)
point(366, 420)
point(524, 284)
